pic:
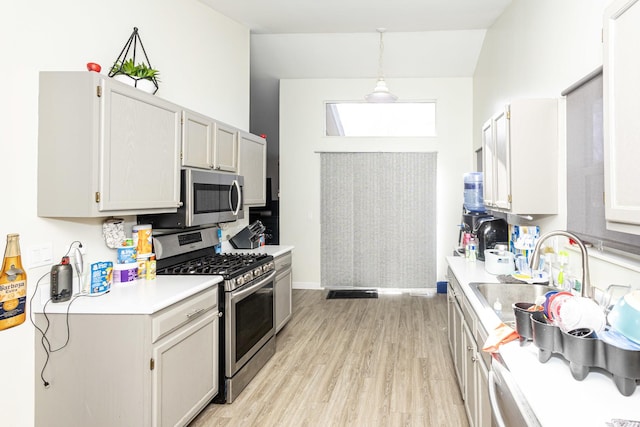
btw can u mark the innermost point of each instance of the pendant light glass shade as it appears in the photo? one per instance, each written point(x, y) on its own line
point(381, 92)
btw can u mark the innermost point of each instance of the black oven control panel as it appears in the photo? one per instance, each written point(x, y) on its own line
point(187, 239)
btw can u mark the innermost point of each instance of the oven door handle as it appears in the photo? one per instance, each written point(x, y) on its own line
point(237, 208)
point(244, 292)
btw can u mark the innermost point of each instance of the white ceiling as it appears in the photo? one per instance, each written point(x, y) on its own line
point(357, 16)
point(301, 39)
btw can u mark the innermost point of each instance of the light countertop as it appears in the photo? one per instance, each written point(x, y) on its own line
point(141, 296)
point(138, 297)
point(554, 395)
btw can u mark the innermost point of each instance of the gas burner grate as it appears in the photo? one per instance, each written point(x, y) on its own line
point(226, 265)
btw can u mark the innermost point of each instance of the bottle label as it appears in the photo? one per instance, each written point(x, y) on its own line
point(13, 298)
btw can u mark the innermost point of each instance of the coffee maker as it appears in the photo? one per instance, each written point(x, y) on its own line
point(470, 220)
point(490, 231)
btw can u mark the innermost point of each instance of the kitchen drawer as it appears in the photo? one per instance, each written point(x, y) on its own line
point(171, 318)
point(283, 262)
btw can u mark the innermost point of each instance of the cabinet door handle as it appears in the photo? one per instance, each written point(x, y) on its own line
point(195, 313)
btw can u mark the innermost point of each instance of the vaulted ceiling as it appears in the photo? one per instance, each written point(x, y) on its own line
point(358, 16)
point(338, 38)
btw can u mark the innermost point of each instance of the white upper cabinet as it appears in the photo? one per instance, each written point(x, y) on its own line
point(197, 140)
point(208, 144)
point(105, 148)
point(253, 166)
point(621, 84)
point(520, 158)
point(488, 149)
point(225, 148)
point(502, 159)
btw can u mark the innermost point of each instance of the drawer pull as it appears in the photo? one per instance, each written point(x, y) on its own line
point(195, 313)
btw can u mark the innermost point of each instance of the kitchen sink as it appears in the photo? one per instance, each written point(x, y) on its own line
point(508, 294)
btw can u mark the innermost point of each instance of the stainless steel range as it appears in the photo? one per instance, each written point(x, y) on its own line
point(246, 301)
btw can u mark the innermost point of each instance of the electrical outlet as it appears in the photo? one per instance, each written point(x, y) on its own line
point(39, 255)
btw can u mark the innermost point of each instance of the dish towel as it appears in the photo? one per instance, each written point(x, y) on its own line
point(502, 334)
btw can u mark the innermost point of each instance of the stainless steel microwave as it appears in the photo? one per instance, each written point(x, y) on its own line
point(206, 197)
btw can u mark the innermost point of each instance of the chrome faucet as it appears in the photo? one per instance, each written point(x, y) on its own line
point(585, 289)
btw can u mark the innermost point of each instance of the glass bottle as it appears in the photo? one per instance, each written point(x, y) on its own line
point(13, 285)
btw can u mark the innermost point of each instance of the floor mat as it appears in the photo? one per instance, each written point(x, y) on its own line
point(352, 293)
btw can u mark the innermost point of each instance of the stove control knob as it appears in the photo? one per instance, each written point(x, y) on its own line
point(257, 272)
point(239, 281)
point(247, 277)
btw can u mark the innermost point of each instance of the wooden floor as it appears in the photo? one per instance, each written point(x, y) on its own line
point(353, 362)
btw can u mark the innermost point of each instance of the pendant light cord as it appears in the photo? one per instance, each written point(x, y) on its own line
point(381, 53)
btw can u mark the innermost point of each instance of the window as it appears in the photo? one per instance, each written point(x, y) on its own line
point(398, 119)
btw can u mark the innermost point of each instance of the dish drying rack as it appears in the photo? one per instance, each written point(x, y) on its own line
point(582, 352)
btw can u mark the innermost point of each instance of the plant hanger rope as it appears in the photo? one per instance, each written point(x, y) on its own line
point(134, 39)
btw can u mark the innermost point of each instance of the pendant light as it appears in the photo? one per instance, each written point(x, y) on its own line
point(381, 92)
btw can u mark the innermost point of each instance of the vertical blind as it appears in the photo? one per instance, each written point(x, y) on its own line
point(378, 220)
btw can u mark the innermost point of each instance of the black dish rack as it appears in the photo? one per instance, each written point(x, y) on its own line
point(583, 352)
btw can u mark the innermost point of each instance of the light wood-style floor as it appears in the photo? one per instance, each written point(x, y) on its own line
point(353, 362)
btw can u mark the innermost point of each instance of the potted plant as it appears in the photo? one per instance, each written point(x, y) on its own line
point(139, 75)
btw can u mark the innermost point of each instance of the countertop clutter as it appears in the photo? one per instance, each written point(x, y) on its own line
point(553, 394)
point(137, 297)
point(141, 297)
point(275, 250)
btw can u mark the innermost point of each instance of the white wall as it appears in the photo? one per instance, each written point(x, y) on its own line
point(203, 60)
point(301, 137)
point(538, 49)
point(431, 54)
point(535, 49)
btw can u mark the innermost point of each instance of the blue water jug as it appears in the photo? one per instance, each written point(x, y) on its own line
point(473, 199)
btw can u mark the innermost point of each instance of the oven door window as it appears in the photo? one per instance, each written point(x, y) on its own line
point(207, 197)
point(254, 320)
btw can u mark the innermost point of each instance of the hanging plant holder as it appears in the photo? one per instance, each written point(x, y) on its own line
point(139, 74)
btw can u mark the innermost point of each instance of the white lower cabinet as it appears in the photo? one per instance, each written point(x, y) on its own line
point(470, 351)
point(466, 337)
point(185, 376)
point(283, 308)
point(129, 369)
point(456, 333)
point(484, 414)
